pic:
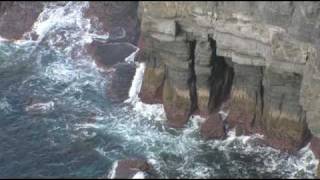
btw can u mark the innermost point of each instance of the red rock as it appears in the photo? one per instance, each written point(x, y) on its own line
point(116, 14)
point(18, 18)
point(121, 81)
point(213, 127)
point(109, 54)
point(126, 169)
point(151, 96)
point(177, 118)
point(315, 146)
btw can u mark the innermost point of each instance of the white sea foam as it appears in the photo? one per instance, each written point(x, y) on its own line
point(136, 84)
point(131, 57)
point(64, 28)
point(150, 111)
point(223, 114)
point(2, 39)
point(55, 16)
point(89, 125)
point(4, 105)
point(112, 173)
point(139, 175)
point(100, 151)
point(41, 107)
point(140, 129)
point(187, 145)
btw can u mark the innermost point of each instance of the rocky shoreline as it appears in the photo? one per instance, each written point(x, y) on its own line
point(257, 62)
point(253, 60)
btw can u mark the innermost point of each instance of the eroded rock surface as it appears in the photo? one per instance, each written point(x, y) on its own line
point(108, 54)
point(257, 60)
point(17, 17)
point(121, 81)
point(113, 16)
point(131, 169)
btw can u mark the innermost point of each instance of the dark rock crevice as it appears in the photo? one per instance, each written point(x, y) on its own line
point(219, 85)
point(262, 93)
point(220, 80)
point(192, 79)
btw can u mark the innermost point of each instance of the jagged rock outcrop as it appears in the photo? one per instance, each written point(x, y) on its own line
point(120, 17)
point(131, 169)
point(121, 80)
point(17, 17)
point(121, 21)
point(109, 54)
point(256, 60)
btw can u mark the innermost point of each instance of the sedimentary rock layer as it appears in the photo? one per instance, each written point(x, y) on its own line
point(257, 61)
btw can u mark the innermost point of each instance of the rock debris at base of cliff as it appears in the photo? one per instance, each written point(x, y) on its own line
point(258, 61)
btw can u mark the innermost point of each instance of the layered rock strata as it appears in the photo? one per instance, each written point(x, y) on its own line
point(256, 61)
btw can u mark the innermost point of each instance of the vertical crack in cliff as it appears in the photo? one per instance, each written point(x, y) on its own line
point(258, 99)
point(192, 79)
point(255, 109)
point(262, 92)
point(221, 78)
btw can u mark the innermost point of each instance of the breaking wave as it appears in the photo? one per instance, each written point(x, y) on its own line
point(82, 134)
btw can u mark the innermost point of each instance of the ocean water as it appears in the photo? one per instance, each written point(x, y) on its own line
point(56, 119)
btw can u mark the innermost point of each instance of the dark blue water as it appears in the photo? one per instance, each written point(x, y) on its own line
point(75, 131)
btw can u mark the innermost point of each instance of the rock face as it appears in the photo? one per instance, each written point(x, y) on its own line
point(121, 81)
point(109, 54)
point(259, 61)
point(131, 169)
point(112, 16)
point(17, 17)
point(120, 19)
point(256, 61)
point(112, 58)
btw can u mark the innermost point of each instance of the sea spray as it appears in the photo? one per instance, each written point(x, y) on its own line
point(131, 57)
point(151, 111)
point(189, 140)
point(113, 132)
point(136, 84)
point(112, 173)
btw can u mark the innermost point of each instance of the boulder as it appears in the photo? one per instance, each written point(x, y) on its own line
point(17, 18)
point(213, 128)
point(106, 16)
point(130, 169)
point(121, 81)
point(109, 54)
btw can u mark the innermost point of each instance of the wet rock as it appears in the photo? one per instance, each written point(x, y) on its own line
point(110, 16)
point(109, 54)
point(315, 146)
point(121, 81)
point(310, 88)
point(130, 169)
point(16, 18)
point(177, 105)
point(284, 120)
point(152, 85)
point(245, 102)
point(273, 53)
point(213, 128)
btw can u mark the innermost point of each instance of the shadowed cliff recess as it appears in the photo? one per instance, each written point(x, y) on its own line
point(257, 62)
